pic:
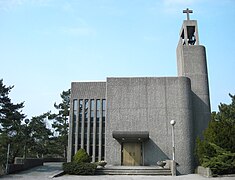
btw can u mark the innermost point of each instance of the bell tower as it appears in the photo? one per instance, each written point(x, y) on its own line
point(192, 63)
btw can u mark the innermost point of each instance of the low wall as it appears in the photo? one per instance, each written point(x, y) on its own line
point(22, 164)
point(172, 166)
point(54, 159)
point(13, 168)
point(204, 171)
point(1, 170)
point(32, 162)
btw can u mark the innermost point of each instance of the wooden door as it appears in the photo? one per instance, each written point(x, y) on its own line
point(131, 154)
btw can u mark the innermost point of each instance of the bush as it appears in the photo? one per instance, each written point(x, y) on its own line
point(79, 168)
point(223, 162)
point(81, 157)
point(80, 164)
point(203, 149)
point(217, 148)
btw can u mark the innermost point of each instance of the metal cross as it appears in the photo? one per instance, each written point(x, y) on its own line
point(187, 11)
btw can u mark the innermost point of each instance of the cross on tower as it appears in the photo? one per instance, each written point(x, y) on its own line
point(187, 11)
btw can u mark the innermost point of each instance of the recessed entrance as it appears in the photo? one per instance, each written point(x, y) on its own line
point(131, 154)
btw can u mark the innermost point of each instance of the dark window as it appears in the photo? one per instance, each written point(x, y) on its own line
point(92, 114)
point(92, 108)
point(97, 116)
point(103, 106)
point(91, 150)
point(86, 110)
point(102, 153)
point(103, 128)
point(85, 122)
point(80, 122)
point(96, 153)
point(97, 108)
point(75, 110)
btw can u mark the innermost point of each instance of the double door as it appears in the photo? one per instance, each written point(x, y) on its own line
point(131, 154)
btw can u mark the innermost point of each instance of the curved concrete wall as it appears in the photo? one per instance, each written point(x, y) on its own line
point(192, 64)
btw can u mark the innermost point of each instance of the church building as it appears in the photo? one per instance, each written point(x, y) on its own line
point(126, 121)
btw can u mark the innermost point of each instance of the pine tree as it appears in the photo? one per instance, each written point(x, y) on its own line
point(60, 120)
point(39, 136)
point(11, 128)
point(219, 140)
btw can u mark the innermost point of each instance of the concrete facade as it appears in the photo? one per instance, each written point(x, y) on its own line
point(105, 115)
point(147, 104)
point(90, 91)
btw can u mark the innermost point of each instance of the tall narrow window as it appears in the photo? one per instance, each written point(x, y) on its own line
point(75, 110)
point(97, 129)
point(92, 106)
point(85, 123)
point(103, 128)
point(80, 122)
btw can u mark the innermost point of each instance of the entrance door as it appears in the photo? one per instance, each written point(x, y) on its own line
point(131, 154)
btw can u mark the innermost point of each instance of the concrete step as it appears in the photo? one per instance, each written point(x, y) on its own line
point(133, 171)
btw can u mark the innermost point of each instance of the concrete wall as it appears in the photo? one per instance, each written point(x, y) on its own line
point(51, 159)
point(191, 62)
point(88, 90)
point(148, 104)
point(83, 90)
point(22, 164)
point(204, 171)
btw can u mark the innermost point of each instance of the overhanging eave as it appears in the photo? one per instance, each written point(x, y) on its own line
point(131, 136)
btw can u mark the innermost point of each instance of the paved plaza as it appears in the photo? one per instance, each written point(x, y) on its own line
point(50, 169)
point(41, 172)
point(126, 177)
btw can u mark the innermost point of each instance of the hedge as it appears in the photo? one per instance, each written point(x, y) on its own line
point(79, 168)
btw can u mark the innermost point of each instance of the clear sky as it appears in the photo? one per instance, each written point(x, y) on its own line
point(47, 44)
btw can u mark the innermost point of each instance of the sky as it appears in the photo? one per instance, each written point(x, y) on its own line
point(47, 44)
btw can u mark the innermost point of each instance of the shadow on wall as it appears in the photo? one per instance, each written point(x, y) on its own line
point(201, 115)
point(201, 119)
point(152, 153)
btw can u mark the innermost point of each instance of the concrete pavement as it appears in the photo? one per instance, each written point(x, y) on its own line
point(126, 177)
point(49, 169)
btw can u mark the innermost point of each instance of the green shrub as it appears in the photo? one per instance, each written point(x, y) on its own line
point(80, 164)
point(203, 149)
point(81, 157)
point(79, 168)
point(217, 148)
point(223, 162)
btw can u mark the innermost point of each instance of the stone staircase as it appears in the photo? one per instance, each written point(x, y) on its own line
point(133, 170)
